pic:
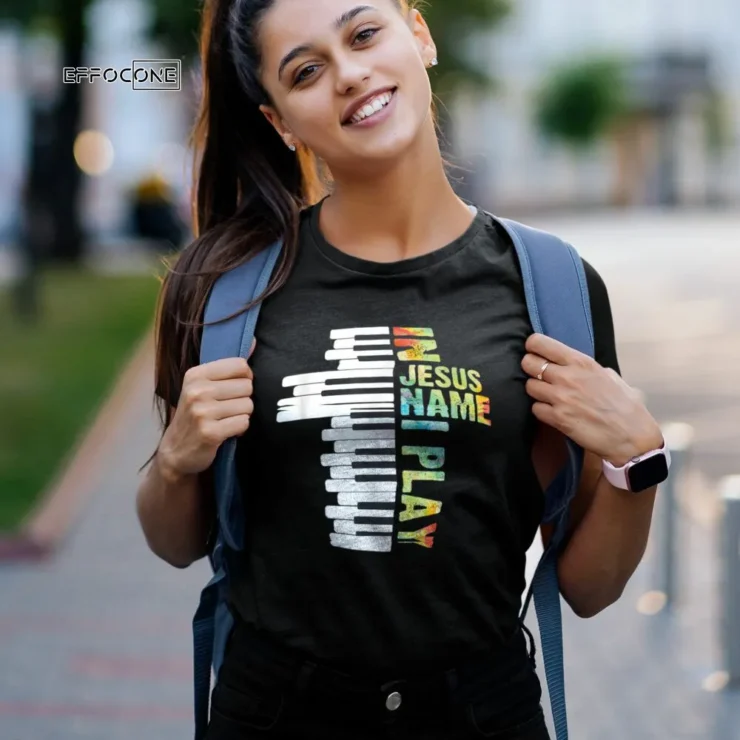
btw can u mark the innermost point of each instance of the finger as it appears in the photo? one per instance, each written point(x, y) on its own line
point(234, 426)
point(552, 350)
point(533, 364)
point(617, 378)
point(225, 369)
point(545, 413)
point(223, 390)
point(233, 407)
point(541, 391)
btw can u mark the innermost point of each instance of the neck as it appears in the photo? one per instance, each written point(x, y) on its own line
point(403, 211)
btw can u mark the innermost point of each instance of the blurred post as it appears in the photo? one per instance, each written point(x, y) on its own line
point(42, 73)
point(679, 438)
point(730, 577)
point(26, 288)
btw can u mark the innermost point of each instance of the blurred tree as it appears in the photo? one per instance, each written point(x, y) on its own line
point(586, 101)
point(580, 101)
point(53, 179)
point(451, 23)
point(454, 24)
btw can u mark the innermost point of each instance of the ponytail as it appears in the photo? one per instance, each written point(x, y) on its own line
point(248, 190)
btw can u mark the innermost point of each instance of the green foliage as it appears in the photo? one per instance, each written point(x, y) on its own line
point(718, 121)
point(451, 22)
point(580, 100)
point(177, 23)
point(25, 10)
point(53, 377)
point(43, 17)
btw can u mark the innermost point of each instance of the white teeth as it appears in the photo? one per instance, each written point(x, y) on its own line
point(372, 107)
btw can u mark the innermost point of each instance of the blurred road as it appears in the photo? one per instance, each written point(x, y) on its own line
point(96, 643)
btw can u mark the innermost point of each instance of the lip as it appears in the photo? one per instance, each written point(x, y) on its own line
point(352, 108)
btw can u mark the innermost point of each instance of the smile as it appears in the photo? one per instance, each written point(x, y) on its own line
point(371, 108)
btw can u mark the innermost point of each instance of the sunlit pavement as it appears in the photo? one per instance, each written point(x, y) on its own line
point(96, 643)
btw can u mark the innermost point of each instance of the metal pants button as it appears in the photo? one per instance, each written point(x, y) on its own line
point(393, 701)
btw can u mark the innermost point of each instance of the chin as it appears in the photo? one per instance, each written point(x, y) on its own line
point(392, 144)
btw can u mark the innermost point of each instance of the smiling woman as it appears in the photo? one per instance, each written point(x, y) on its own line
point(352, 89)
point(397, 420)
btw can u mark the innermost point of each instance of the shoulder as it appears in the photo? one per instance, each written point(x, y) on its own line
point(505, 231)
point(598, 295)
point(498, 232)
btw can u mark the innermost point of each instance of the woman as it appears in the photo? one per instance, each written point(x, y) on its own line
point(390, 285)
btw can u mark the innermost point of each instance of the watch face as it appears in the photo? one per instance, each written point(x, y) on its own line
point(648, 473)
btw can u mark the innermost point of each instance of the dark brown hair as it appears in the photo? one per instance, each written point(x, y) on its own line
point(248, 188)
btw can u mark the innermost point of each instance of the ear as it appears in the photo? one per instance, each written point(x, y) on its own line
point(278, 124)
point(423, 36)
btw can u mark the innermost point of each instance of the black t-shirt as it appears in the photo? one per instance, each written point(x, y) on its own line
point(389, 489)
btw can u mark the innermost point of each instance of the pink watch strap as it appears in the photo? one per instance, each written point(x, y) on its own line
point(619, 478)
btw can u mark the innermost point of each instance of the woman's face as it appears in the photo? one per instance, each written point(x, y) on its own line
point(347, 78)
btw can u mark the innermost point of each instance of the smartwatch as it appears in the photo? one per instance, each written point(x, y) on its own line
point(640, 473)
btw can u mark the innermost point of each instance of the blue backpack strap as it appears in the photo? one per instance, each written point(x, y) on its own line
point(213, 621)
point(233, 338)
point(558, 303)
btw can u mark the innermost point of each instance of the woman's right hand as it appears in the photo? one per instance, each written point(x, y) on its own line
point(215, 404)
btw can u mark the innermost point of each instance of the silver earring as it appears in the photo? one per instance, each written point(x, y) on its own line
point(434, 62)
point(291, 147)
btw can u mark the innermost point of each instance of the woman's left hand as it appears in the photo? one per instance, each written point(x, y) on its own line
point(590, 404)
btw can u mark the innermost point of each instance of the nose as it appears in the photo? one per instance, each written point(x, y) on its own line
point(351, 73)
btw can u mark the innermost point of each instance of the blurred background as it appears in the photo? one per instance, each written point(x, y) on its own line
point(615, 126)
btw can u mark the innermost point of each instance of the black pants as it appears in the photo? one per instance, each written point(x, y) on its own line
point(266, 691)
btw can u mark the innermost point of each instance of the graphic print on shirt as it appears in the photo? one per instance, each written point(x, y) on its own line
point(366, 470)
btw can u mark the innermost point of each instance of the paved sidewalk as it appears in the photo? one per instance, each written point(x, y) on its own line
point(630, 676)
point(96, 642)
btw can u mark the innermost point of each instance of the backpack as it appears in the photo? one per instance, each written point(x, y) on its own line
point(557, 300)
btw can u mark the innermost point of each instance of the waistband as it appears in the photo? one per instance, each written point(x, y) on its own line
point(368, 691)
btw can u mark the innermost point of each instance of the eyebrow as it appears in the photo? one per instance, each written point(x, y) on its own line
point(339, 23)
